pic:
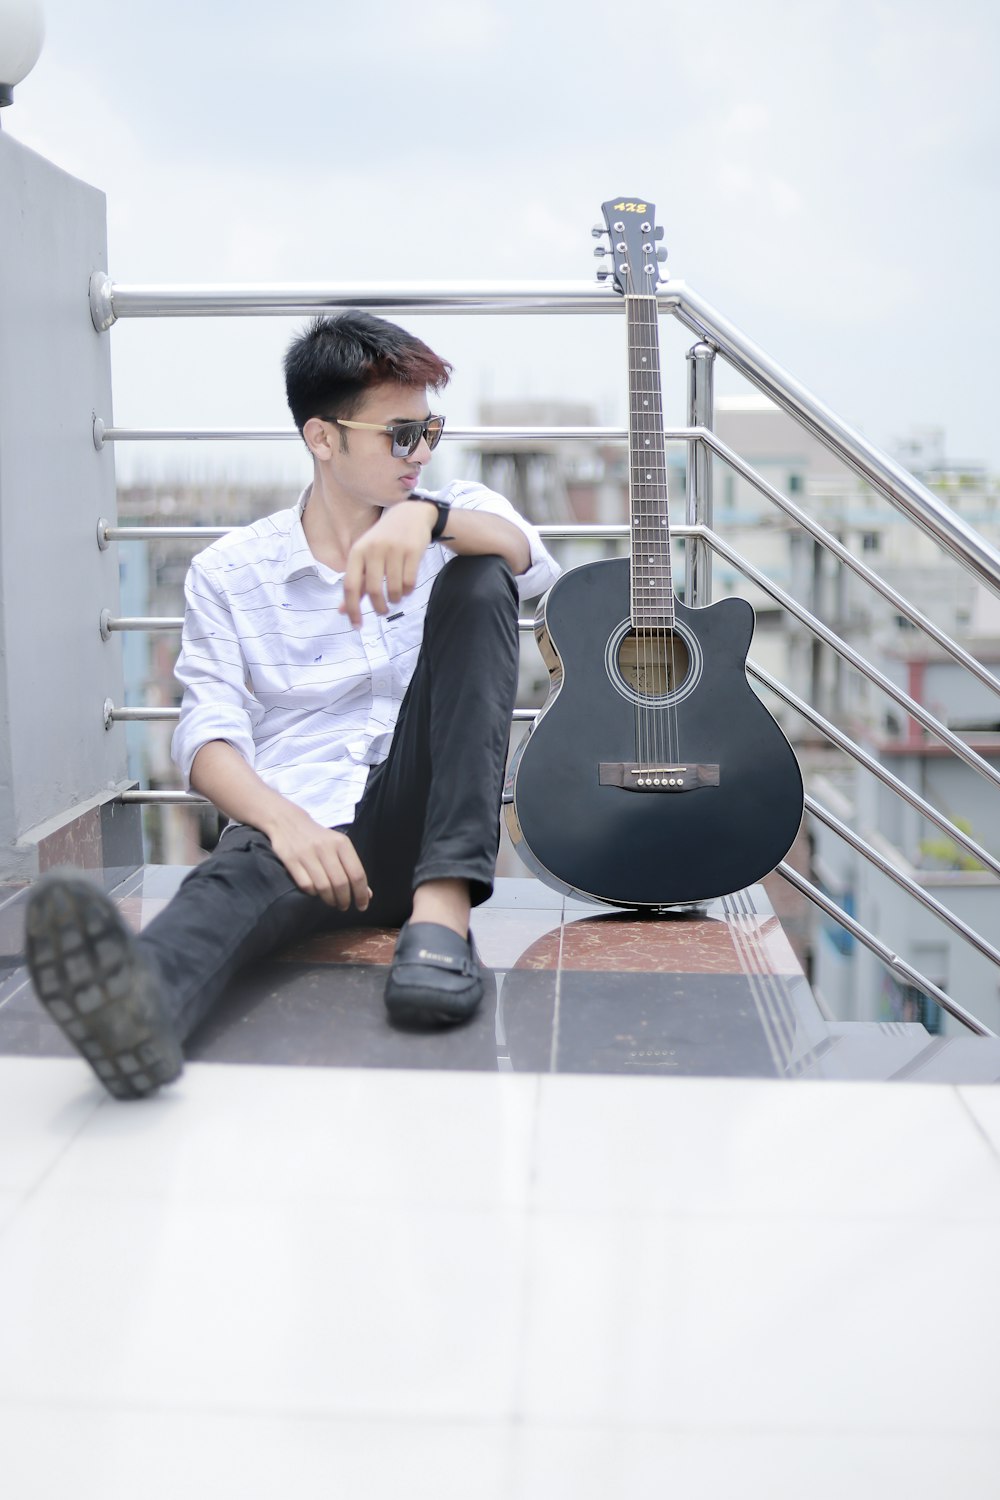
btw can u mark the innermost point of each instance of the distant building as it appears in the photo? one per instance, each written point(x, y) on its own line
point(846, 976)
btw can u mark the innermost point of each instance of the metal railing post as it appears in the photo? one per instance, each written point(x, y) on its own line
point(700, 413)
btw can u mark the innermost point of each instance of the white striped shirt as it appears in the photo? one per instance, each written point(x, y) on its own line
point(268, 664)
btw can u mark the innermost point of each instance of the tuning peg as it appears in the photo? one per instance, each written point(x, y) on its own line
point(661, 254)
point(598, 230)
point(658, 232)
point(601, 250)
point(603, 275)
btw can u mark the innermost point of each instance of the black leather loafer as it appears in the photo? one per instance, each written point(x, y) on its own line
point(89, 975)
point(435, 976)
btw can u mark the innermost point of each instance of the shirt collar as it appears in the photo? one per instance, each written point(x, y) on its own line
point(298, 560)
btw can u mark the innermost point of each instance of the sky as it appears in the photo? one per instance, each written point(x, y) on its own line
point(826, 175)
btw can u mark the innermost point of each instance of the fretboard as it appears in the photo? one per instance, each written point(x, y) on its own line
point(652, 589)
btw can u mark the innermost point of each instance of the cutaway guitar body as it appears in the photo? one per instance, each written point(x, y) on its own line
point(711, 794)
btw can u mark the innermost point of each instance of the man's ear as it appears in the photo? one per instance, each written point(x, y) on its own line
point(318, 437)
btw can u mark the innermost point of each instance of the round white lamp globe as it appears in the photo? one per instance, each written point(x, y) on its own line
point(22, 31)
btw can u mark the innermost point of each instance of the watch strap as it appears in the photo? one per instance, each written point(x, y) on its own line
point(443, 508)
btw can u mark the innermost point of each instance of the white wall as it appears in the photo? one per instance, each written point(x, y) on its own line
point(55, 671)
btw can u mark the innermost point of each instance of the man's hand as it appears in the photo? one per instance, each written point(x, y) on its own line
point(321, 861)
point(383, 563)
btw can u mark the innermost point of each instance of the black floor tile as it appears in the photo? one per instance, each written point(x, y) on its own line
point(333, 1015)
point(688, 1024)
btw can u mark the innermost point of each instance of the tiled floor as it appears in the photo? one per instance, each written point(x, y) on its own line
point(570, 988)
point(580, 1277)
point(278, 1281)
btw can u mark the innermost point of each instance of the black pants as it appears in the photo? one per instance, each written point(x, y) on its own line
point(430, 811)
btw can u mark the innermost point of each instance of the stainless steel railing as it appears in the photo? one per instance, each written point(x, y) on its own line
point(918, 504)
point(110, 301)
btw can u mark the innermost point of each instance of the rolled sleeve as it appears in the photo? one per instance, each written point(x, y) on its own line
point(543, 569)
point(218, 703)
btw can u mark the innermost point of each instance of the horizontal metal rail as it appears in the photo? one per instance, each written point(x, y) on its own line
point(110, 623)
point(143, 714)
point(893, 872)
point(869, 762)
point(110, 300)
point(875, 945)
point(116, 714)
point(107, 533)
point(164, 797)
point(519, 435)
point(868, 575)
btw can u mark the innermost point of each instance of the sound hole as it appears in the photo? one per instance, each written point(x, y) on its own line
point(653, 662)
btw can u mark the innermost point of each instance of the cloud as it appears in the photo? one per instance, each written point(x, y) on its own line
point(824, 174)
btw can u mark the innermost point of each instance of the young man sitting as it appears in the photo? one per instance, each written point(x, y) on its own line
point(349, 669)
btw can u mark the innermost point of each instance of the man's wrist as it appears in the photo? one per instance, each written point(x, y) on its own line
point(443, 509)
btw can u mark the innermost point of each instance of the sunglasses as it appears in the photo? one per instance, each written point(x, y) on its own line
point(406, 436)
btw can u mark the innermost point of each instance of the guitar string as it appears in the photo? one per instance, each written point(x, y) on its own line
point(660, 558)
point(641, 542)
point(668, 639)
point(635, 494)
point(645, 736)
point(650, 571)
point(654, 630)
point(634, 510)
point(654, 622)
point(671, 640)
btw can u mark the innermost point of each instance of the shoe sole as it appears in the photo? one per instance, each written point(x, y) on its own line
point(418, 1012)
point(87, 974)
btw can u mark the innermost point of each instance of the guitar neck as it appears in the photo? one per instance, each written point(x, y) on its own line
point(651, 582)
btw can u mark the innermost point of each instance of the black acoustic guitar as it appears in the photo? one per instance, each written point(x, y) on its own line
point(653, 776)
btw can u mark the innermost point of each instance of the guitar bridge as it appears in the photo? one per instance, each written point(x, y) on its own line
point(635, 777)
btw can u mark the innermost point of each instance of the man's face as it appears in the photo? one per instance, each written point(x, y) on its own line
point(367, 471)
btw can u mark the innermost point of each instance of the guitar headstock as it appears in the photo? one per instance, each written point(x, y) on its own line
point(630, 224)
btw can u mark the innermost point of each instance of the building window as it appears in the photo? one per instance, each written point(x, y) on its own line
point(914, 1005)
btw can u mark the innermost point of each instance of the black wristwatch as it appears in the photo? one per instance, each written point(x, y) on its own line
point(443, 510)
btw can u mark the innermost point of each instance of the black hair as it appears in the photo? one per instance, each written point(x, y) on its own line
point(336, 360)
